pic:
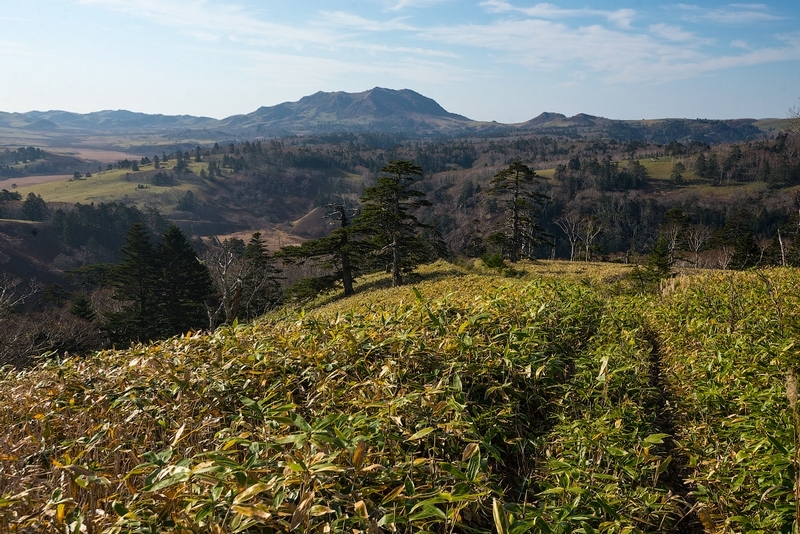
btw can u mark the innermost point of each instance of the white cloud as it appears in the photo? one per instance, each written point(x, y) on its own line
point(327, 72)
point(732, 14)
point(201, 18)
point(671, 33)
point(340, 19)
point(620, 17)
point(738, 43)
point(617, 56)
point(403, 4)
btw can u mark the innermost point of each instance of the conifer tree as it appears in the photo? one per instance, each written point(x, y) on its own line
point(163, 288)
point(339, 254)
point(132, 282)
point(260, 285)
point(183, 285)
point(521, 231)
point(387, 218)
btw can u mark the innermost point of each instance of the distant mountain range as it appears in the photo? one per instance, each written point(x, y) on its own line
point(377, 110)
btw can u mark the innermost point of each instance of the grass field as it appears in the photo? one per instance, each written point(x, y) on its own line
point(119, 185)
point(467, 401)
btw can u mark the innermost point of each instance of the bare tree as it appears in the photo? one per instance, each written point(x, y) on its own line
point(696, 237)
point(225, 262)
point(794, 119)
point(672, 232)
point(590, 228)
point(570, 224)
point(14, 293)
point(723, 256)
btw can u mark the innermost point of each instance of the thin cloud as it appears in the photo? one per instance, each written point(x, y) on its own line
point(732, 14)
point(340, 19)
point(621, 17)
point(324, 72)
point(403, 4)
point(204, 19)
point(672, 33)
point(616, 56)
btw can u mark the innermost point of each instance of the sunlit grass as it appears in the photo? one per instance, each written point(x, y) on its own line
point(471, 399)
point(118, 185)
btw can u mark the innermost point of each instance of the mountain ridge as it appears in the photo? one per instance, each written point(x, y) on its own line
point(379, 109)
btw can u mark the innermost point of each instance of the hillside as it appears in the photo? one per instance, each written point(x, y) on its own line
point(552, 402)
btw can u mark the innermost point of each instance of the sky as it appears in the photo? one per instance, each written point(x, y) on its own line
point(503, 60)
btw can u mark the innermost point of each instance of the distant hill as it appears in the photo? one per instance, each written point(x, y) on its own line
point(376, 110)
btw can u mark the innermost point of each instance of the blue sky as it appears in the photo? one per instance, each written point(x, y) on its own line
point(503, 60)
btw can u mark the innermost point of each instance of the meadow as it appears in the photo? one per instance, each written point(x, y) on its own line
point(548, 398)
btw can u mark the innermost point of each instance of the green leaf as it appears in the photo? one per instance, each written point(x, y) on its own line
point(420, 434)
point(417, 294)
point(426, 512)
point(777, 444)
point(171, 480)
point(655, 439)
point(453, 470)
point(301, 423)
point(500, 517)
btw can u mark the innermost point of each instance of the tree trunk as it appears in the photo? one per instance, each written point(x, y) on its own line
point(347, 275)
point(397, 279)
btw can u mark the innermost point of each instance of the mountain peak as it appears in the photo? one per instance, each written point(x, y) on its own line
point(377, 109)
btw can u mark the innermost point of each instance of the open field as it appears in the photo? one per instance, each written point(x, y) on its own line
point(28, 181)
point(97, 154)
point(119, 185)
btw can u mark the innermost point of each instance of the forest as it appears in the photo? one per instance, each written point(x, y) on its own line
point(685, 204)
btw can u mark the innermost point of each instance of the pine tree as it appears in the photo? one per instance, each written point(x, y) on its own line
point(260, 286)
point(657, 267)
point(521, 232)
point(387, 221)
point(739, 235)
point(339, 254)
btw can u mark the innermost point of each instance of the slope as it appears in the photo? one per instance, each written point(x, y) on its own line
point(470, 403)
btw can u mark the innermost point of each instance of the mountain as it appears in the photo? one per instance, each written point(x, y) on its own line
point(119, 121)
point(403, 112)
point(378, 109)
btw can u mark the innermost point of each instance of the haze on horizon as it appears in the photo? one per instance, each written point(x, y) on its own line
point(503, 60)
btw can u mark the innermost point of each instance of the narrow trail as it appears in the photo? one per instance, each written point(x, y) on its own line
point(673, 477)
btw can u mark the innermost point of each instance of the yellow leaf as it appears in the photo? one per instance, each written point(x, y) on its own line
point(301, 512)
point(258, 511)
point(372, 467)
point(178, 434)
point(469, 451)
point(392, 495)
point(320, 509)
point(358, 454)
point(361, 510)
point(500, 518)
point(60, 513)
point(250, 492)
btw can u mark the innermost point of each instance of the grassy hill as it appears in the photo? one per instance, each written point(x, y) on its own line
point(555, 400)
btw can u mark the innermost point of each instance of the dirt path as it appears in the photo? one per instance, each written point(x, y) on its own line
point(674, 477)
